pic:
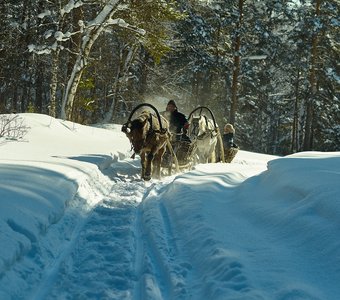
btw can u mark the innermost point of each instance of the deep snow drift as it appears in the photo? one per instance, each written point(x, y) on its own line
point(76, 222)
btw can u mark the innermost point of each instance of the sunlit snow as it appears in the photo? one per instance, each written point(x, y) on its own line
point(76, 222)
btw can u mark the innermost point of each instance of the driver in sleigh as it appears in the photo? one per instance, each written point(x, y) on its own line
point(178, 122)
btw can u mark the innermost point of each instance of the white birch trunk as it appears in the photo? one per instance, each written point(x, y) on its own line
point(54, 83)
point(90, 35)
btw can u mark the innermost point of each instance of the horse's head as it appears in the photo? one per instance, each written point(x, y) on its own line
point(198, 126)
point(136, 131)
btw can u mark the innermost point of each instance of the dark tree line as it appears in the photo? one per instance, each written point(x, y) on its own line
point(268, 67)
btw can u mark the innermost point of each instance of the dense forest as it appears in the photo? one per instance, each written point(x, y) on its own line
point(269, 67)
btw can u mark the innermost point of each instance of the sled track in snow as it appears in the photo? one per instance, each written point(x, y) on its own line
point(123, 248)
point(101, 262)
point(163, 270)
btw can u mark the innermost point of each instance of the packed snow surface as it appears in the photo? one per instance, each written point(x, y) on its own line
point(76, 222)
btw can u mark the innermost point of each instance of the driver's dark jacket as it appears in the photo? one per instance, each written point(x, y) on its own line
point(228, 140)
point(177, 121)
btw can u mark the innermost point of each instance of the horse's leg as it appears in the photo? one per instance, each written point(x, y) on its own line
point(156, 166)
point(161, 154)
point(213, 150)
point(157, 161)
point(209, 155)
point(212, 157)
point(142, 159)
point(200, 153)
point(205, 151)
point(205, 156)
point(148, 166)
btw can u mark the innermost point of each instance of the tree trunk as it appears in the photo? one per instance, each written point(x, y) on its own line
point(121, 78)
point(54, 84)
point(194, 87)
point(294, 142)
point(109, 114)
point(90, 35)
point(39, 65)
point(308, 144)
point(74, 46)
point(39, 88)
point(237, 66)
point(205, 95)
point(144, 71)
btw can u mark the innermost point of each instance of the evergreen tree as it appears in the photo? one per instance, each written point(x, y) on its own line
point(269, 67)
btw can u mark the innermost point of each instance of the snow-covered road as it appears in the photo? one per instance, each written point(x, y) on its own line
point(140, 243)
point(102, 257)
point(110, 252)
point(100, 262)
point(76, 222)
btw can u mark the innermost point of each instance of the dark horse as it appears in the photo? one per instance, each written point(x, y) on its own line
point(148, 139)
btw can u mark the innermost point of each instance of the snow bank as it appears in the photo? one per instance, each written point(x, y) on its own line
point(270, 236)
point(48, 173)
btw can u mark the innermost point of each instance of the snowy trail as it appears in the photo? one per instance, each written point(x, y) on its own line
point(122, 249)
point(162, 240)
point(77, 223)
point(101, 261)
point(165, 269)
point(99, 266)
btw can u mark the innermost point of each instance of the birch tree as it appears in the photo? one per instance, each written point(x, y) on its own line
point(55, 31)
point(90, 33)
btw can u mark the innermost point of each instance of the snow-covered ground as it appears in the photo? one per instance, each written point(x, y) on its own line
point(76, 222)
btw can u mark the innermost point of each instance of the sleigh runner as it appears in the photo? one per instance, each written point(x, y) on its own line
point(184, 151)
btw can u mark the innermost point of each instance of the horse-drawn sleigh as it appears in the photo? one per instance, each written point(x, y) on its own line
point(159, 149)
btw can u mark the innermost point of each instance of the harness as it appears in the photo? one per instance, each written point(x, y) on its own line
point(149, 133)
point(195, 130)
point(203, 135)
